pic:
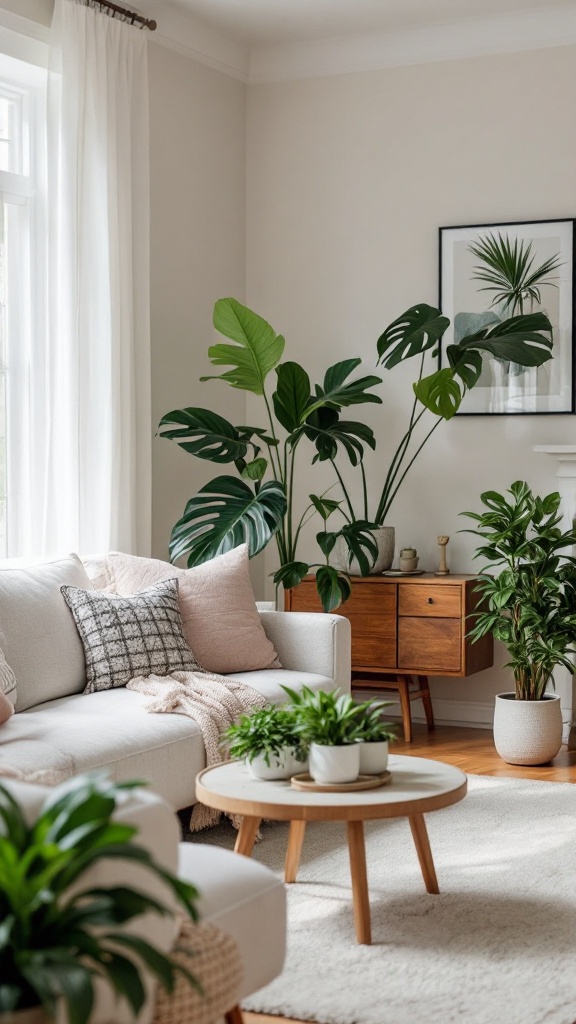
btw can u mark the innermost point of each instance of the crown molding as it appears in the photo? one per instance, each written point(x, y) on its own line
point(498, 34)
point(23, 39)
point(192, 38)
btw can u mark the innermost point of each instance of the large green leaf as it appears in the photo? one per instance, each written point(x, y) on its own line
point(332, 586)
point(417, 330)
point(257, 349)
point(466, 363)
point(215, 438)
point(225, 513)
point(291, 574)
point(440, 393)
point(361, 543)
point(292, 395)
point(336, 393)
point(517, 340)
point(325, 428)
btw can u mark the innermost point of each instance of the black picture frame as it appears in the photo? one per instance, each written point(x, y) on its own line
point(505, 390)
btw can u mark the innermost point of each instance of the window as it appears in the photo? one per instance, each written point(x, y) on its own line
point(22, 211)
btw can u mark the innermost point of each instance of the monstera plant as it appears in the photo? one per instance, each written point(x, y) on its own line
point(259, 503)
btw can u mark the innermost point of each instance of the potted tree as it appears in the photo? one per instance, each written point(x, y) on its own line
point(54, 942)
point(269, 741)
point(260, 505)
point(373, 737)
point(531, 608)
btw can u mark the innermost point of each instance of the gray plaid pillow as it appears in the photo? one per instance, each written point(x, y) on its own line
point(125, 637)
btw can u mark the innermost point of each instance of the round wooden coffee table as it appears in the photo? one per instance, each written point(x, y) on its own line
point(418, 786)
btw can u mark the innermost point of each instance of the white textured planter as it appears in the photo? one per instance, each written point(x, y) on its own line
point(385, 539)
point(527, 731)
point(331, 765)
point(281, 766)
point(373, 757)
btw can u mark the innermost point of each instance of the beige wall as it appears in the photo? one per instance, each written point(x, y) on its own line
point(349, 179)
point(197, 140)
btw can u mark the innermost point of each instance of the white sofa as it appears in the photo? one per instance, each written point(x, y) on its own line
point(72, 732)
point(238, 895)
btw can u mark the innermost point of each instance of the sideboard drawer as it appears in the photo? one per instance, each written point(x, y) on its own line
point(431, 646)
point(430, 600)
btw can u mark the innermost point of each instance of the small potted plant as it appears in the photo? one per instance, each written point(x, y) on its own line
point(269, 741)
point(329, 723)
point(373, 739)
point(530, 605)
point(56, 936)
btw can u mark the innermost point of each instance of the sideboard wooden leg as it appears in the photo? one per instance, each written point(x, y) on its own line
point(234, 1016)
point(422, 844)
point(295, 840)
point(247, 836)
point(404, 692)
point(359, 876)
point(427, 701)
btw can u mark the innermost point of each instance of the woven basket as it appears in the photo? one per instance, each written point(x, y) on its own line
point(214, 960)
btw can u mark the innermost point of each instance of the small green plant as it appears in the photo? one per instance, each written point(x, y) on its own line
point(531, 603)
point(372, 728)
point(53, 944)
point(329, 718)
point(267, 731)
point(507, 268)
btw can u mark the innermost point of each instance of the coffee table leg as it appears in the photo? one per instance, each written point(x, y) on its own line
point(422, 844)
point(247, 836)
point(360, 899)
point(295, 840)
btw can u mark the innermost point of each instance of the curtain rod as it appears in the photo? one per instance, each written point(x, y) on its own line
point(116, 9)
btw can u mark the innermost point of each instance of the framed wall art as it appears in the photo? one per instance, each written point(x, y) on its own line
point(489, 272)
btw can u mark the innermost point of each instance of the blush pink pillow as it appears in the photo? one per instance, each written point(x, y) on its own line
point(219, 615)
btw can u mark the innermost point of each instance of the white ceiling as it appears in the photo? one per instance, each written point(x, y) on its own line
point(270, 22)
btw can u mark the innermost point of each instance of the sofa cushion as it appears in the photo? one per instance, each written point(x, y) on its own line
point(125, 637)
point(41, 642)
point(219, 614)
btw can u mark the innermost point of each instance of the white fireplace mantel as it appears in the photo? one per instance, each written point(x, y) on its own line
point(565, 455)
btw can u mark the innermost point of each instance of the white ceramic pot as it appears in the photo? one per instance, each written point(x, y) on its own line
point(331, 765)
point(373, 757)
point(385, 539)
point(527, 731)
point(281, 766)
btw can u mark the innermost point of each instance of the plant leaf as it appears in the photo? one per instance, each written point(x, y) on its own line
point(440, 393)
point(517, 339)
point(292, 395)
point(325, 428)
point(335, 393)
point(257, 349)
point(215, 439)
point(291, 574)
point(225, 513)
point(417, 330)
point(333, 587)
point(466, 363)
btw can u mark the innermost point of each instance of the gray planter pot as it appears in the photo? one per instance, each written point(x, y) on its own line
point(527, 731)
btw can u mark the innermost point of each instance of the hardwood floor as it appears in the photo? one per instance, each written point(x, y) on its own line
point(473, 751)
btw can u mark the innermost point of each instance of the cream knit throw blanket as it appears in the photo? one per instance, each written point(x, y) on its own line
point(213, 701)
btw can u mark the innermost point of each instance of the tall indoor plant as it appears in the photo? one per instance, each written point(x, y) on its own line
point(55, 942)
point(530, 607)
point(261, 505)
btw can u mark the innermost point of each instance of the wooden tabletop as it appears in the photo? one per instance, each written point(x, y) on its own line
point(418, 785)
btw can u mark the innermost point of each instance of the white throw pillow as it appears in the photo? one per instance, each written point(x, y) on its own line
point(41, 642)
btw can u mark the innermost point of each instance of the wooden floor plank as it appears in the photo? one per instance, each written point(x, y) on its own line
point(473, 751)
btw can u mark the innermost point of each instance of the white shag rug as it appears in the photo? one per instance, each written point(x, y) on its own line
point(497, 946)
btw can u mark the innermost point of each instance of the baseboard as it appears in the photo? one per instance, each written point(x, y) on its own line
point(446, 712)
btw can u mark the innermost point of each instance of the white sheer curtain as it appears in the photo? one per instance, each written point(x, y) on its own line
point(84, 468)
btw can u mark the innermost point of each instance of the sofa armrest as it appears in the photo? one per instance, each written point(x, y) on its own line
point(311, 642)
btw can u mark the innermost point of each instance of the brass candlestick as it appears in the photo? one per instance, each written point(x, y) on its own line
point(443, 569)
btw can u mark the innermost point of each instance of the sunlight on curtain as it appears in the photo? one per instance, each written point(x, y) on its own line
point(90, 402)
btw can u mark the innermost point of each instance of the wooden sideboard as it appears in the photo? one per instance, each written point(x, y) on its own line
point(405, 629)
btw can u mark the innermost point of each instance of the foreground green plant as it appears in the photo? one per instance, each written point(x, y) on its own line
point(329, 717)
point(53, 945)
point(531, 603)
point(228, 511)
point(372, 729)
point(266, 731)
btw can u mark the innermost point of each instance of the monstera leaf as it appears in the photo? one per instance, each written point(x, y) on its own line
point(292, 395)
point(440, 393)
point(291, 574)
point(417, 330)
point(325, 428)
point(336, 393)
point(332, 586)
point(227, 512)
point(257, 349)
point(213, 437)
point(517, 340)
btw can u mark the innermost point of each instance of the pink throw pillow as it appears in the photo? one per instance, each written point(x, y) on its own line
point(219, 615)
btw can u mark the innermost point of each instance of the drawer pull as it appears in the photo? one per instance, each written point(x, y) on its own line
point(430, 600)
